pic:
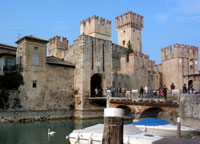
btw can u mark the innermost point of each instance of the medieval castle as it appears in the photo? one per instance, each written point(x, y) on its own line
point(70, 74)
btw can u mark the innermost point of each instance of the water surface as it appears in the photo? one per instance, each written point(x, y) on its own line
point(36, 133)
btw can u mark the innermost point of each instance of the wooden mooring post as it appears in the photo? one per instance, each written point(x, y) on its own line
point(178, 127)
point(113, 126)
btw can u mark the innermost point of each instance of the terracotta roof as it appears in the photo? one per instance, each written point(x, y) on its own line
point(57, 61)
point(5, 46)
point(30, 37)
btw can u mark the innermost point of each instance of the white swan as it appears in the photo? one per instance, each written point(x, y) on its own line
point(51, 133)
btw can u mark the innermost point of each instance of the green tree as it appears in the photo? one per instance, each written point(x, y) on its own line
point(129, 50)
point(11, 81)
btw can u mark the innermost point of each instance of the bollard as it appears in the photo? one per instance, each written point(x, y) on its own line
point(108, 98)
point(178, 127)
point(113, 126)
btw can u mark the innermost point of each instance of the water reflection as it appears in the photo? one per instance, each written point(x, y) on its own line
point(37, 132)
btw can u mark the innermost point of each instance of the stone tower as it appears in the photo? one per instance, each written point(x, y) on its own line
point(179, 65)
point(57, 48)
point(92, 27)
point(129, 27)
point(32, 52)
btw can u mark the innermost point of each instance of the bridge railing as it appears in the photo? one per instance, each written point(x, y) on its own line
point(135, 94)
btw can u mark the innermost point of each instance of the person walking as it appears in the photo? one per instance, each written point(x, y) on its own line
point(161, 94)
point(141, 92)
point(172, 87)
point(165, 92)
point(96, 91)
point(184, 89)
point(147, 91)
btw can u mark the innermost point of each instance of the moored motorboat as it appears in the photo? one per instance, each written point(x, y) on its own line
point(94, 135)
point(161, 127)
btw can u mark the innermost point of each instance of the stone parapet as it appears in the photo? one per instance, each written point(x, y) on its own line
point(129, 18)
point(57, 43)
point(93, 27)
point(179, 50)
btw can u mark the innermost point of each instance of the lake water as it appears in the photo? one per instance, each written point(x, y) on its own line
point(36, 133)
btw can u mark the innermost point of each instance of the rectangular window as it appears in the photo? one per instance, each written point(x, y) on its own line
point(19, 60)
point(36, 60)
point(123, 42)
point(10, 61)
point(35, 48)
point(34, 84)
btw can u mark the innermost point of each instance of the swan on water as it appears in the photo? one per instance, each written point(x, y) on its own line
point(51, 133)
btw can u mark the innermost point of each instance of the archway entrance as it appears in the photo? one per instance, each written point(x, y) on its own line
point(96, 82)
point(190, 83)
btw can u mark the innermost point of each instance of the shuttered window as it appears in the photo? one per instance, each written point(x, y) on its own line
point(36, 60)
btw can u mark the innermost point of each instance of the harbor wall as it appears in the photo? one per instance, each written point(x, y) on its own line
point(190, 110)
point(34, 115)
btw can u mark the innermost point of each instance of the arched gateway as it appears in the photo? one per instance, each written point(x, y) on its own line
point(96, 82)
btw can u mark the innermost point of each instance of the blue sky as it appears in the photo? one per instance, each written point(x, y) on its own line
point(166, 22)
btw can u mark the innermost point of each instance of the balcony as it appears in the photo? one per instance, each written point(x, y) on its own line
point(14, 68)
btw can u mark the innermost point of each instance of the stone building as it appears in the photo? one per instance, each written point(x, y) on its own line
point(70, 74)
point(7, 58)
point(48, 81)
point(180, 65)
point(101, 63)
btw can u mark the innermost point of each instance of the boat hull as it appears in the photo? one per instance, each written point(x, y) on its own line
point(166, 131)
point(94, 135)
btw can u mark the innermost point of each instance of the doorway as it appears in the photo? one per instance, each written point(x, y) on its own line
point(96, 82)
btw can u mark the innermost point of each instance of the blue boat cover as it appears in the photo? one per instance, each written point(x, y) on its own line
point(151, 122)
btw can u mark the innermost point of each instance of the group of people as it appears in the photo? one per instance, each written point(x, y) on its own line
point(98, 92)
point(189, 90)
point(116, 91)
point(162, 91)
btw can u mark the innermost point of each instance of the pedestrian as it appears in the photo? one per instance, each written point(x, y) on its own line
point(172, 87)
point(190, 89)
point(161, 94)
point(165, 92)
point(96, 91)
point(141, 92)
point(184, 89)
point(112, 91)
point(123, 91)
point(119, 91)
point(147, 91)
point(100, 92)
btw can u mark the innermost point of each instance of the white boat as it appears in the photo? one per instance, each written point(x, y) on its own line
point(152, 126)
point(94, 135)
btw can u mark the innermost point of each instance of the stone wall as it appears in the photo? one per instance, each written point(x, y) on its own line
point(30, 116)
point(54, 89)
point(140, 71)
point(10, 99)
point(190, 110)
point(91, 56)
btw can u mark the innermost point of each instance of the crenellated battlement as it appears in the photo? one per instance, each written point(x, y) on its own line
point(179, 50)
point(55, 42)
point(93, 26)
point(129, 18)
point(57, 47)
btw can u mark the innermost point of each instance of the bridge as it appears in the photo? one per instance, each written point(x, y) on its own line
point(143, 107)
